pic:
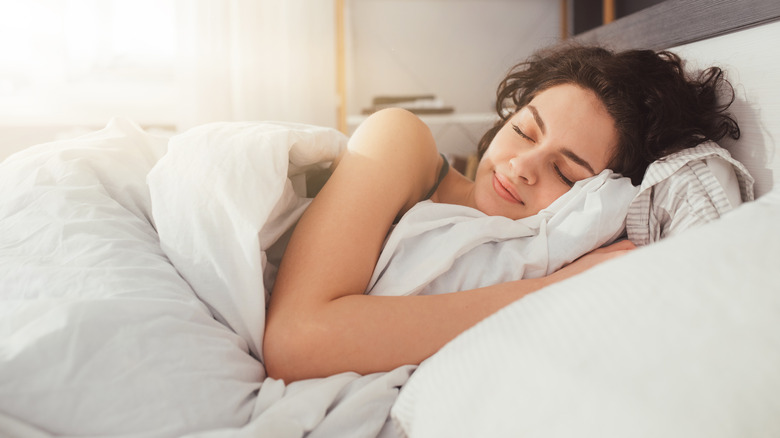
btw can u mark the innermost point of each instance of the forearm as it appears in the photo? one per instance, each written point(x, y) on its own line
point(366, 334)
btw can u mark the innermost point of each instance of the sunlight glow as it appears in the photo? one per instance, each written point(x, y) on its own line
point(74, 61)
point(47, 43)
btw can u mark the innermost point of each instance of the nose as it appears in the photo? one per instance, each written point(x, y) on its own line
point(525, 166)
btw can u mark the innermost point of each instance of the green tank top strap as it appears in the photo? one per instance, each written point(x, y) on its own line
point(445, 167)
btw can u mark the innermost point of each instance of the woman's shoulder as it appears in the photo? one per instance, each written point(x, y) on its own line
point(408, 135)
point(403, 145)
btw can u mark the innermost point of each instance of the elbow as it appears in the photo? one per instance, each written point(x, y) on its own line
point(287, 350)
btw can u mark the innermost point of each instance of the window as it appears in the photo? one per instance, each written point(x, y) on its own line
point(75, 61)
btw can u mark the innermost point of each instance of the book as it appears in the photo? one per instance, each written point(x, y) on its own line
point(418, 104)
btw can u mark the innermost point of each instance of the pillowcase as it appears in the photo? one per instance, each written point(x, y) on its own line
point(686, 189)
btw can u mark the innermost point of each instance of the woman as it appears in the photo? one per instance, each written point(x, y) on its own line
point(573, 112)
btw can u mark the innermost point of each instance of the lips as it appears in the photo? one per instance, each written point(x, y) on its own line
point(504, 189)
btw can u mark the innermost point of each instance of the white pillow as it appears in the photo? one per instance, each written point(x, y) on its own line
point(677, 339)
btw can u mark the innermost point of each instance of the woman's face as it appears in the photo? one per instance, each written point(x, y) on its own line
point(562, 136)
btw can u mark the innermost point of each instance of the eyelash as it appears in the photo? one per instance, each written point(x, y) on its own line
point(521, 133)
point(565, 180)
point(561, 176)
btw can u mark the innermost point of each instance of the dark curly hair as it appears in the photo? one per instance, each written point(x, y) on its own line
point(657, 107)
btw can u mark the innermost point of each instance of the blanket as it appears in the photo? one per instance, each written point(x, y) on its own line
point(446, 248)
point(99, 334)
point(222, 196)
point(225, 198)
point(104, 328)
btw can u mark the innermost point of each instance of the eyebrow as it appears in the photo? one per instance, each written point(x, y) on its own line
point(565, 151)
point(577, 159)
point(537, 117)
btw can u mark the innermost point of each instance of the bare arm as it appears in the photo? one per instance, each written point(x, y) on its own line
point(319, 321)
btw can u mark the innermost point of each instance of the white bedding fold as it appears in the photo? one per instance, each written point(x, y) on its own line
point(221, 197)
point(99, 335)
point(438, 248)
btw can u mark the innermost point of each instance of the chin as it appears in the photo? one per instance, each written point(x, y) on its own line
point(496, 209)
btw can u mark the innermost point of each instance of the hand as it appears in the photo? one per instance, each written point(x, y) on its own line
point(593, 258)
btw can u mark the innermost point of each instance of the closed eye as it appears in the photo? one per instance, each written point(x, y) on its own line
point(521, 133)
point(562, 177)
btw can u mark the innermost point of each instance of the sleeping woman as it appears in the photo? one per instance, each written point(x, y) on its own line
point(565, 115)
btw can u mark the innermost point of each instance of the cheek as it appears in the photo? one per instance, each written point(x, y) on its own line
point(498, 146)
point(486, 165)
point(493, 157)
point(549, 194)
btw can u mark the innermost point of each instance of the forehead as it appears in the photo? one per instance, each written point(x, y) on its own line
point(569, 96)
point(573, 117)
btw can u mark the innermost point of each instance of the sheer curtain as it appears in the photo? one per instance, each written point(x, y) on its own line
point(256, 60)
point(164, 63)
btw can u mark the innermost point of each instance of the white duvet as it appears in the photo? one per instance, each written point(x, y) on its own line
point(102, 334)
point(440, 248)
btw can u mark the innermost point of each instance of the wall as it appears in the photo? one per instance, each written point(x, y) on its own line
point(456, 49)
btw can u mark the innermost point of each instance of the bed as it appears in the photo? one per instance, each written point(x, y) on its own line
point(134, 272)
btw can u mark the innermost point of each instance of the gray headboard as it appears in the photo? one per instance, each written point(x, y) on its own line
point(738, 36)
point(677, 22)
